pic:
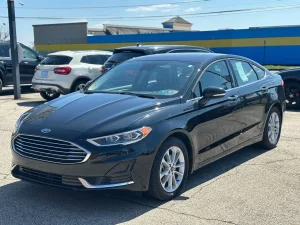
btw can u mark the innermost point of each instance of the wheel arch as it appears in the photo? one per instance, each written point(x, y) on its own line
point(79, 79)
point(182, 135)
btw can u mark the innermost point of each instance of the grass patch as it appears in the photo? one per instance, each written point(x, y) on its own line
point(272, 67)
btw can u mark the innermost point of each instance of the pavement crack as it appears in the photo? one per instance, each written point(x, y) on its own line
point(173, 211)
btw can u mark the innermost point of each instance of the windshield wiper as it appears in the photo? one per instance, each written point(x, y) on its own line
point(138, 95)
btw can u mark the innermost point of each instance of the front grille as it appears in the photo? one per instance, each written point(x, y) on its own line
point(48, 150)
point(49, 178)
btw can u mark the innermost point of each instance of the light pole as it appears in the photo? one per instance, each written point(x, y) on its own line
point(14, 49)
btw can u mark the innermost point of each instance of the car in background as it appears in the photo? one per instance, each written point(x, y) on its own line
point(291, 78)
point(67, 71)
point(173, 115)
point(124, 53)
point(27, 66)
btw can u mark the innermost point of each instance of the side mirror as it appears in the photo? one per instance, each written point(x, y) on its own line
point(40, 58)
point(213, 92)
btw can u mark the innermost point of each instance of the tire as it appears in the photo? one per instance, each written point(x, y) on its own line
point(79, 85)
point(271, 142)
point(156, 188)
point(49, 96)
point(1, 84)
point(292, 93)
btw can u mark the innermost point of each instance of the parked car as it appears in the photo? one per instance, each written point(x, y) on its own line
point(173, 114)
point(67, 71)
point(27, 66)
point(124, 53)
point(291, 78)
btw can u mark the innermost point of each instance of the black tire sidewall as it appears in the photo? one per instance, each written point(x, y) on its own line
point(266, 142)
point(155, 188)
point(287, 86)
point(47, 97)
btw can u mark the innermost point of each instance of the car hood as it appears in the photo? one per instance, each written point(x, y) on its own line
point(93, 113)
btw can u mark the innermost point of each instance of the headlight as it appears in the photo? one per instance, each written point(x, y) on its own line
point(21, 119)
point(121, 138)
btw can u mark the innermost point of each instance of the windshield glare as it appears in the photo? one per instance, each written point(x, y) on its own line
point(155, 78)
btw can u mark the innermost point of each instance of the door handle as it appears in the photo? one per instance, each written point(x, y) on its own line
point(233, 97)
point(25, 62)
point(263, 89)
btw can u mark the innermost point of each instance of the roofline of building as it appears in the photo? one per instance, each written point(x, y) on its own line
point(58, 24)
point(136, 27)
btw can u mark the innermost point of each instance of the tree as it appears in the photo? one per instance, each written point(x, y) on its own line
point(4, 33)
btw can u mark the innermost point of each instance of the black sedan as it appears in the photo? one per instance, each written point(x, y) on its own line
point(291, 78)
point(148, 123)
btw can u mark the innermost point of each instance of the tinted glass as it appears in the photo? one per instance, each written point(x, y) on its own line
point(95, 59)
point(217, 75)
point(260, 73)
point(4, 50)
point(155, 78)
point(243, 72)
point(56, 60)
point(120, 57)
point(27, 54)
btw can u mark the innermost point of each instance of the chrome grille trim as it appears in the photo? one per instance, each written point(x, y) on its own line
point(55, 151)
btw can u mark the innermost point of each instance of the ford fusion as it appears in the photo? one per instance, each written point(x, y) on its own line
point(148, 123)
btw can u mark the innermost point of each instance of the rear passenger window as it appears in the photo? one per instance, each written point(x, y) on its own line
point(95, 59)
point(217, 75)
point(260, 73)
point(243, 72)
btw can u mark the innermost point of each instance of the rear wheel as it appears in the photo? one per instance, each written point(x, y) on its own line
point(292, 93)
point(49, 95)
point(79, 85)
point(272, 129)
point(169, 171)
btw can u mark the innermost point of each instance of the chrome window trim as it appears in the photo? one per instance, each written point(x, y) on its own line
point(224, 59)
point(90, 186)
point(83, 149)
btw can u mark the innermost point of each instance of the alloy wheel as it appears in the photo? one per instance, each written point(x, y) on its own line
point(172, 169)
point(80, 87)
point(273, 128)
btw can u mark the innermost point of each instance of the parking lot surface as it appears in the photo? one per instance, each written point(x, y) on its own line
point(251, 186)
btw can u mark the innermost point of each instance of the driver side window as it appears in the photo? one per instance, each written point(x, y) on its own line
point(216, 75)
point(27, 54)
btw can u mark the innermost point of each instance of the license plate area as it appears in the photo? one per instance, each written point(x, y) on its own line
point(44, 74)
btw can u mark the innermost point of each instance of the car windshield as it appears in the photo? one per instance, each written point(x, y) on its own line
point(157, 79)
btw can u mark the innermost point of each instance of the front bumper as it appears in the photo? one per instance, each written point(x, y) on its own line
point(115, 167)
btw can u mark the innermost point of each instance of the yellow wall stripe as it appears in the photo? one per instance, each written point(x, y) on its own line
point(249, 42)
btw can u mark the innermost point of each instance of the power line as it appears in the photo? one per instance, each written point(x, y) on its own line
point(115, 6)
point(223, 12)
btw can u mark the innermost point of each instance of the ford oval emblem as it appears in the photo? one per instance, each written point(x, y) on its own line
point(46, 130)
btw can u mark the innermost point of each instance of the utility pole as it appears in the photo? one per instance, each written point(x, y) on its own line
point(14, 49)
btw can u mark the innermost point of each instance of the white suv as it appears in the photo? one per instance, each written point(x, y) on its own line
point(67, 71)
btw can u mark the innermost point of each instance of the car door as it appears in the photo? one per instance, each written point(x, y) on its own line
point(218, 120)
point(93, 64)
point(27, 65)
point(253, 91)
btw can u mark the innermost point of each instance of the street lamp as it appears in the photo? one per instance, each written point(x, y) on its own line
point(14, 47)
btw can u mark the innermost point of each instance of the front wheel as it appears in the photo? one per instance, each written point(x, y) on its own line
point(49, 96)
point(272, 129)
point(169, 171)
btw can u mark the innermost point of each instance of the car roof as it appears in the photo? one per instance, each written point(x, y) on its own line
point(189, 57)
point(81, 53)
point(159, 47)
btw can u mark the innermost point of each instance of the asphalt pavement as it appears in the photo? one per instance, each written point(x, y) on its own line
point(251, 186)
